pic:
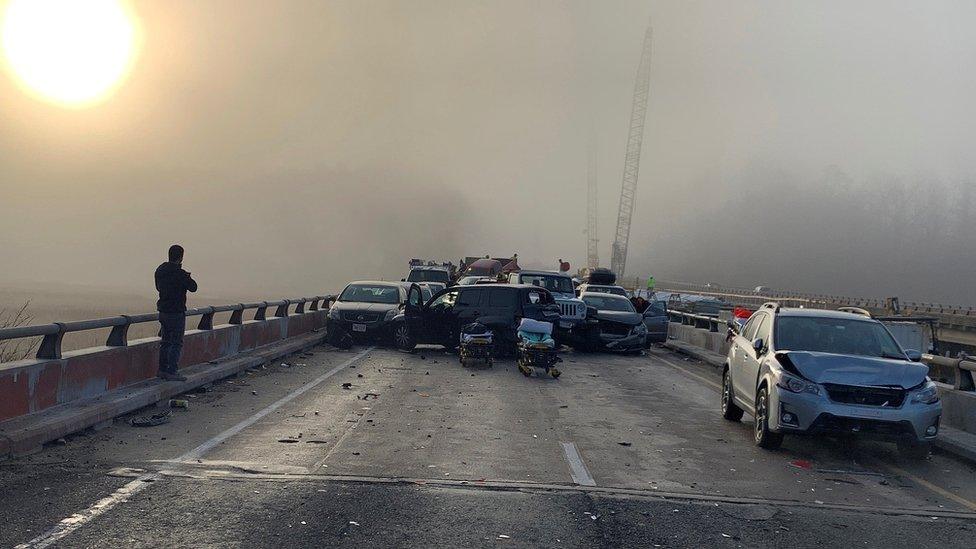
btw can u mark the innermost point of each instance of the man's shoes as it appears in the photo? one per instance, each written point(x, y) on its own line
point(168, 376)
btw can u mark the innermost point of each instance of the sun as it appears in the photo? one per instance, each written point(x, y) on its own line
point(70, 52)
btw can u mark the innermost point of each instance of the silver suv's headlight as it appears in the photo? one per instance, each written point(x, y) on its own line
point(929, 394)
point(794, 384)
point(334, 313)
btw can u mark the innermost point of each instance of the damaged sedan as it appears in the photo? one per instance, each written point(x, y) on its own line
point(804, 371)
point(612, 324)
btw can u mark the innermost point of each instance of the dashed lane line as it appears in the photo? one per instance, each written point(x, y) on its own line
point(123, 494)
point(577, 468)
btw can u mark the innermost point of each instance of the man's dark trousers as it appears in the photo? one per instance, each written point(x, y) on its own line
point(172, 326)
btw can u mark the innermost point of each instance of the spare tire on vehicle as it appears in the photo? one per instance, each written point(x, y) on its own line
point(602, 276)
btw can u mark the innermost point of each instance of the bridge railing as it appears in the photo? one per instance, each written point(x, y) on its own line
point(53, 334)
point(705, 322)
point(958, 371)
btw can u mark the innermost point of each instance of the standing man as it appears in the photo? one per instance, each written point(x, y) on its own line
point(650, 286)
point(172, 282)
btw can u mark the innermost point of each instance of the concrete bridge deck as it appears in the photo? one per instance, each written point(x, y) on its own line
point(620, 451)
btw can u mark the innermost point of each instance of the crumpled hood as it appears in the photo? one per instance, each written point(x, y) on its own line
point(623, 317)
point(855, 370)
point(364, 307)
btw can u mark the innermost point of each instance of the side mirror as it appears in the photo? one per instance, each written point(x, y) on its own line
point(759, 345)
point(913, 355)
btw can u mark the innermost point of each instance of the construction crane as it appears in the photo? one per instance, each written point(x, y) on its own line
point(635, 139)
point(592, 242)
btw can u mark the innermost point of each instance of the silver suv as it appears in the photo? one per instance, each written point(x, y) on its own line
point(813, 371)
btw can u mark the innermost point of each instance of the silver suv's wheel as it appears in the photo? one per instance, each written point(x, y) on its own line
point(764, 437)
point(730, 411)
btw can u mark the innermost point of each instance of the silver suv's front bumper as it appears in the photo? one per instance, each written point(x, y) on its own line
point(818, 414)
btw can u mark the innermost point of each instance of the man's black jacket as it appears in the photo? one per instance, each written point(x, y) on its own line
point(173, 283)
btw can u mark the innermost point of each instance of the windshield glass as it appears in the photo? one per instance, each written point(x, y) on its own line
point(835, 335)
point(428, 275)
point(615, 290)
point(553, 283)
point(369, 293)
point(609, 303)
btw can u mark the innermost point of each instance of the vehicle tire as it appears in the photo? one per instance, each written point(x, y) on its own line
point(763, 436)
point(402, 337)
point(730, 410)
point(914, 449)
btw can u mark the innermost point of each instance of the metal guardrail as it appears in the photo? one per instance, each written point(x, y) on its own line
point(960, 370)
point(810, 299)
point(53, 334)
point(710, 323)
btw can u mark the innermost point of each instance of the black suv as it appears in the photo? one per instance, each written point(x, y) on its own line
point(497, 306)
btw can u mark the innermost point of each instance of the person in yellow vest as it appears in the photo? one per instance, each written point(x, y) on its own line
point(650, 285)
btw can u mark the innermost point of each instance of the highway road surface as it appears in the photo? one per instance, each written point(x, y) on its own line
point(621, 451)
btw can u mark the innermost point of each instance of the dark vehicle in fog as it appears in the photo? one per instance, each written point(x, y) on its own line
point(366, 309)
point(497, 306)
point(656, 322)
point(429, 274)
point(615, 325)
point(697, 304)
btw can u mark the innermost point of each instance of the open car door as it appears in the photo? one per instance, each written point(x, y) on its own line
point(413, 311)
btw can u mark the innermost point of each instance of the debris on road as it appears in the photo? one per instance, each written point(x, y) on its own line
point(801, 464)
point(624, 443)
point(255, 393)
point(178, 403)
point(347, 385)
point(354, 523)
point(151, 421)
point(503, 536)
point(288, 440)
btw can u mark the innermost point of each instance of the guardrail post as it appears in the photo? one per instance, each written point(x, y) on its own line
point(50, 347)
point(237, 317)
point(964, 377)
point(262, 312)
point(282, 310)
point(119, 336)
point(300, 308)
point(206, 320)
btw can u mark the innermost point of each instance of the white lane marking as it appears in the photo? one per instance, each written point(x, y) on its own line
point(581, 475)
point(690, 373)
point(123, 494)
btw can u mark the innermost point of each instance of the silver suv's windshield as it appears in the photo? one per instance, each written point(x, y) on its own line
point(370, 293)
point(842, 336)
point(553, 283)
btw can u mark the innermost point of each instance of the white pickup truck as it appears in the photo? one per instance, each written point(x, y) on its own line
point(572, 310)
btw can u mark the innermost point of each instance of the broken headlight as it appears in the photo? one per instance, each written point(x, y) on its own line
point(794, 384)
point(929, 394)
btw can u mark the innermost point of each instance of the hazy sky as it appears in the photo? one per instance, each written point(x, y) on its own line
point(291, 146)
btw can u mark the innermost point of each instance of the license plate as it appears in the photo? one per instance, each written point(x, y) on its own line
point(359, 327)
point(565, 324)
point(866, 414)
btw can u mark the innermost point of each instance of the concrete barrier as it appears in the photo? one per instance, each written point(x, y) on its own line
point(55, 378)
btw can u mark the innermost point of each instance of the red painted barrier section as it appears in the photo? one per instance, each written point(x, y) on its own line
point(29, 386)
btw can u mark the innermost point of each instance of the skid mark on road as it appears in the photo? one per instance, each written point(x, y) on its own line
point(581, 475)
point(123, 494)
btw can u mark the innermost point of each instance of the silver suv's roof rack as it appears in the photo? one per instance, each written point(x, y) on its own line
point(774, 305)
point(855, 310)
